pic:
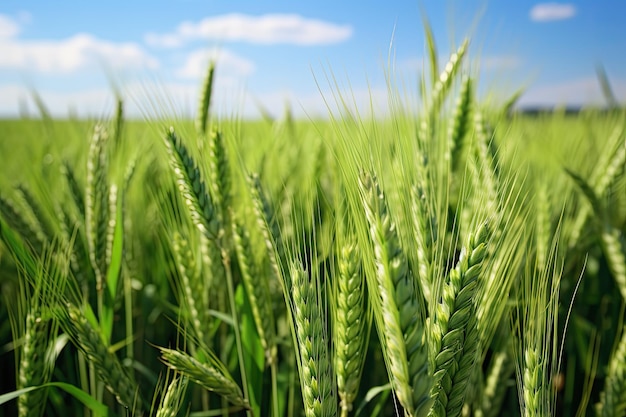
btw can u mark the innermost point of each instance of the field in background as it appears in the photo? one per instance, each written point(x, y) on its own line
point(459, 261)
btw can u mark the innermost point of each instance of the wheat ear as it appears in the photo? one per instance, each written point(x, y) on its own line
point(172, 399)
point(16, 221)
point(219, 175)
point(266, 224)
point(455, 331)
point(34, 368)
point(76, 189)
point(257, 288)
point(442, 85)
point(97, 204)
point(486, 163)
point(192, 287)
point(425, 226)
point(460, 125)
point(204, 105)
point(40, 219)
point(533, 382)
point(113, 196)
point(398, 305)
point(314, 360)
point(607, 168)
point(211, 376)
point(110, 370)
point(192, 187)
point(350, 326)
point(609, 235)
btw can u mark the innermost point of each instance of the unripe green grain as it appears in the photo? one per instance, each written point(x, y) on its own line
point(97, 204)
point(398, 304)
point(34, 369)
point(257, 288)
point(210, 376)
point(460, 122)
point(455, 336)
point(442, 85)
point(350, 325)
point(202, 118)
point(314, 360)
point(192, 187)
point(110, 370)
point(172, 399)
point(192, 287)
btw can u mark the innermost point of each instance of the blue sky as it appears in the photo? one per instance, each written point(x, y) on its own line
point(281, 52)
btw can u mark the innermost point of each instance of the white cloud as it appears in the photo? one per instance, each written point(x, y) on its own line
point(8, 27)
point(265, 29)
point(226, 61)
point(68, 55)
point(546, 12)
point(578, 92)
point(77, 52)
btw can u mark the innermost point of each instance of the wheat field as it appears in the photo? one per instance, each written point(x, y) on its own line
point(457, 260)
